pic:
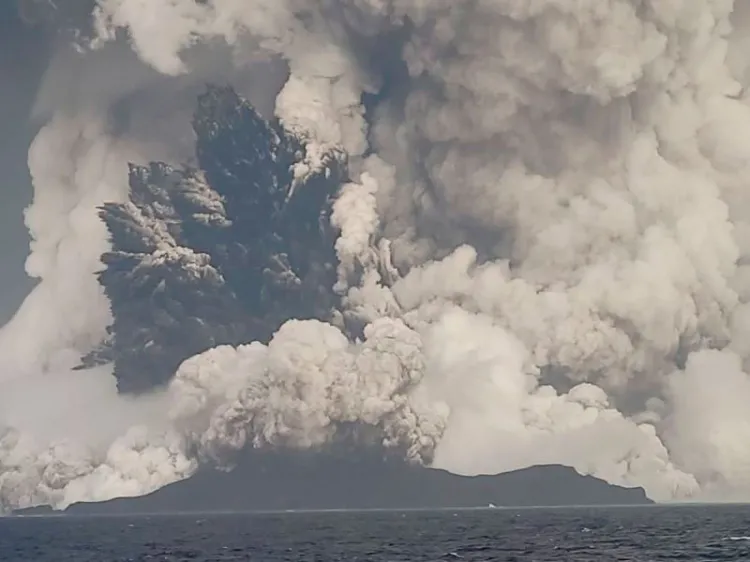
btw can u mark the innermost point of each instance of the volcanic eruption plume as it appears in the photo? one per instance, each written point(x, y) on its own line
point(498, 232)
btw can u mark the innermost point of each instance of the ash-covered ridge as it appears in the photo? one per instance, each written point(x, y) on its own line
point(222, 253)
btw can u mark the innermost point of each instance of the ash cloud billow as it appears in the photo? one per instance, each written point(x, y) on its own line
point(496, 234)
point(223, 254)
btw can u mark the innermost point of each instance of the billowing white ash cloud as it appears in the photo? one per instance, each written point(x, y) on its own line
point(547, 206)
point(308, 380)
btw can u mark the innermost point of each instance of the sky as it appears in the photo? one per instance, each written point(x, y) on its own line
point(23, 54)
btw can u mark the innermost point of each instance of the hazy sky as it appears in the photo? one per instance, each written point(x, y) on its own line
point(22, 61)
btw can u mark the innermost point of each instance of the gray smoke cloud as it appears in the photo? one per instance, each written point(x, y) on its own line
point(545, 235)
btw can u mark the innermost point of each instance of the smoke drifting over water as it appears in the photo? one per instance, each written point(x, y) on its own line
point(539, 250)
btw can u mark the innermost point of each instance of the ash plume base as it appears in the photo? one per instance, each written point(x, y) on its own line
point(532, 249)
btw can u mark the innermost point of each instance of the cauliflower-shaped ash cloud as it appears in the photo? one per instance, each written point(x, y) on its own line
point(223, 254)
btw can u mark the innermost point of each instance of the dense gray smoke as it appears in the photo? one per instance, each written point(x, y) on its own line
point(222, 254)
point(540, 247)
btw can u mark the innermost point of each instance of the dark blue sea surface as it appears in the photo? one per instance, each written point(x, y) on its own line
point(689, 533)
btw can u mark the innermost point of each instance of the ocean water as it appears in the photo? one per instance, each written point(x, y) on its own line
point(690, 533)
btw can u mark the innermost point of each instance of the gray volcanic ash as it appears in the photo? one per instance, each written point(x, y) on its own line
point(220, 255)
point(500, 232)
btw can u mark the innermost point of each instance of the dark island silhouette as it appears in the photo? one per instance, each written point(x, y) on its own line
point(365, 479)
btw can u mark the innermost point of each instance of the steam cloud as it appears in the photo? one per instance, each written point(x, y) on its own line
point(543, 238)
